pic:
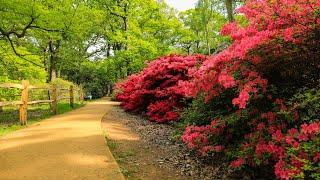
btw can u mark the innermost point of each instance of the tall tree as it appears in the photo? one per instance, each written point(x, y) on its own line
point(230, 9)
point(204, 24)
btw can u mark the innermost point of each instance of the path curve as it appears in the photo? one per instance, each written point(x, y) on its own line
point(68, 146)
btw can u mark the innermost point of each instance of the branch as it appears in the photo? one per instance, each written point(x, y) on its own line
point(93, 41)
point(115, 14)
point(95, 52)
point(45, 29)
point(24, 30)
point(20, 55)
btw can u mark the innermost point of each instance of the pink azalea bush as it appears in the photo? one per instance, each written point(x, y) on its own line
point(257, 128)
point(158, 90)
point(257, 118)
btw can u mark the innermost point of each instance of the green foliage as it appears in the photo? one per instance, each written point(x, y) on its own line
point(94, 76)
point(201, 112)
point(97, 42)
point(13, 68)
point(61, 83)
point(307, 102)
point(112, 39)
point(203, 26)
point(149, 29)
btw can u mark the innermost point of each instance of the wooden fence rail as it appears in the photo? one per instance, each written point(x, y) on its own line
point(53, 93)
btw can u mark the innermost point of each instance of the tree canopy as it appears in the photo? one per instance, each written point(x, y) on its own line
point(101, 41)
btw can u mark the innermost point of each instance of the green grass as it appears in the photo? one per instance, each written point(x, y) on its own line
point(9, 118)
point(123, 158)
point(65, 107)
point(111, 144)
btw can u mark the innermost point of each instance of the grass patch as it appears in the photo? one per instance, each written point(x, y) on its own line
point(123, 158)
point(128, 173)
point(111, 144)
point(9, 118)
point(65, 107)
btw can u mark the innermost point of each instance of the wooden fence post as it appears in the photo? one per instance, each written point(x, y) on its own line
point(71, 96)
point(24, 106)
point(54, 99)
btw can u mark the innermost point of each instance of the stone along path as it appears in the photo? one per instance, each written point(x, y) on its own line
point(68, 146)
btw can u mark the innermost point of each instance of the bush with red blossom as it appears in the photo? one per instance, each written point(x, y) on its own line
point(159, 89)
point(253, 86)
point(257, 102)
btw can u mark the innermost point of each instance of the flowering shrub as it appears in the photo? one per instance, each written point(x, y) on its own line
point(246, 99)
point(269, 60)
point(298, 152)
point(273, 25)
point(197, 137)
point(281, 136)
point(159, 89)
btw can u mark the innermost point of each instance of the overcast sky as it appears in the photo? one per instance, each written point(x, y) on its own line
point(182, 5)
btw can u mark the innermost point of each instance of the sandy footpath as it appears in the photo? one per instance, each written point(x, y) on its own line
point(68, 146)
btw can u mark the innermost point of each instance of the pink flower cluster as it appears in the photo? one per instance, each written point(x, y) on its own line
point(270, 22)
point(197, 137)
point(159, 90)
point(163, 111)
point(301, 148)
point(290, 148)
point(269, 140)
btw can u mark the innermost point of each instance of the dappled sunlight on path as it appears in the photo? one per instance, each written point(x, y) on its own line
point(68, 146)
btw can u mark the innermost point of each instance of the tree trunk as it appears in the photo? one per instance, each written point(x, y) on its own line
point(207, 40)
point(108, 49)
point(1, 108)
point(53, 74)
point(189, 49)
point(53, 69)
point(229, 6)
point(53, 49)
point(198, 46)
point(125, 22)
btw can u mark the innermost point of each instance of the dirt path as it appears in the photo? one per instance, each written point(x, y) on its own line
point(136, 157)
point(68, 146)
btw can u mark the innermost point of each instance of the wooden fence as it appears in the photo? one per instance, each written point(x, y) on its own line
point(53, 100)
